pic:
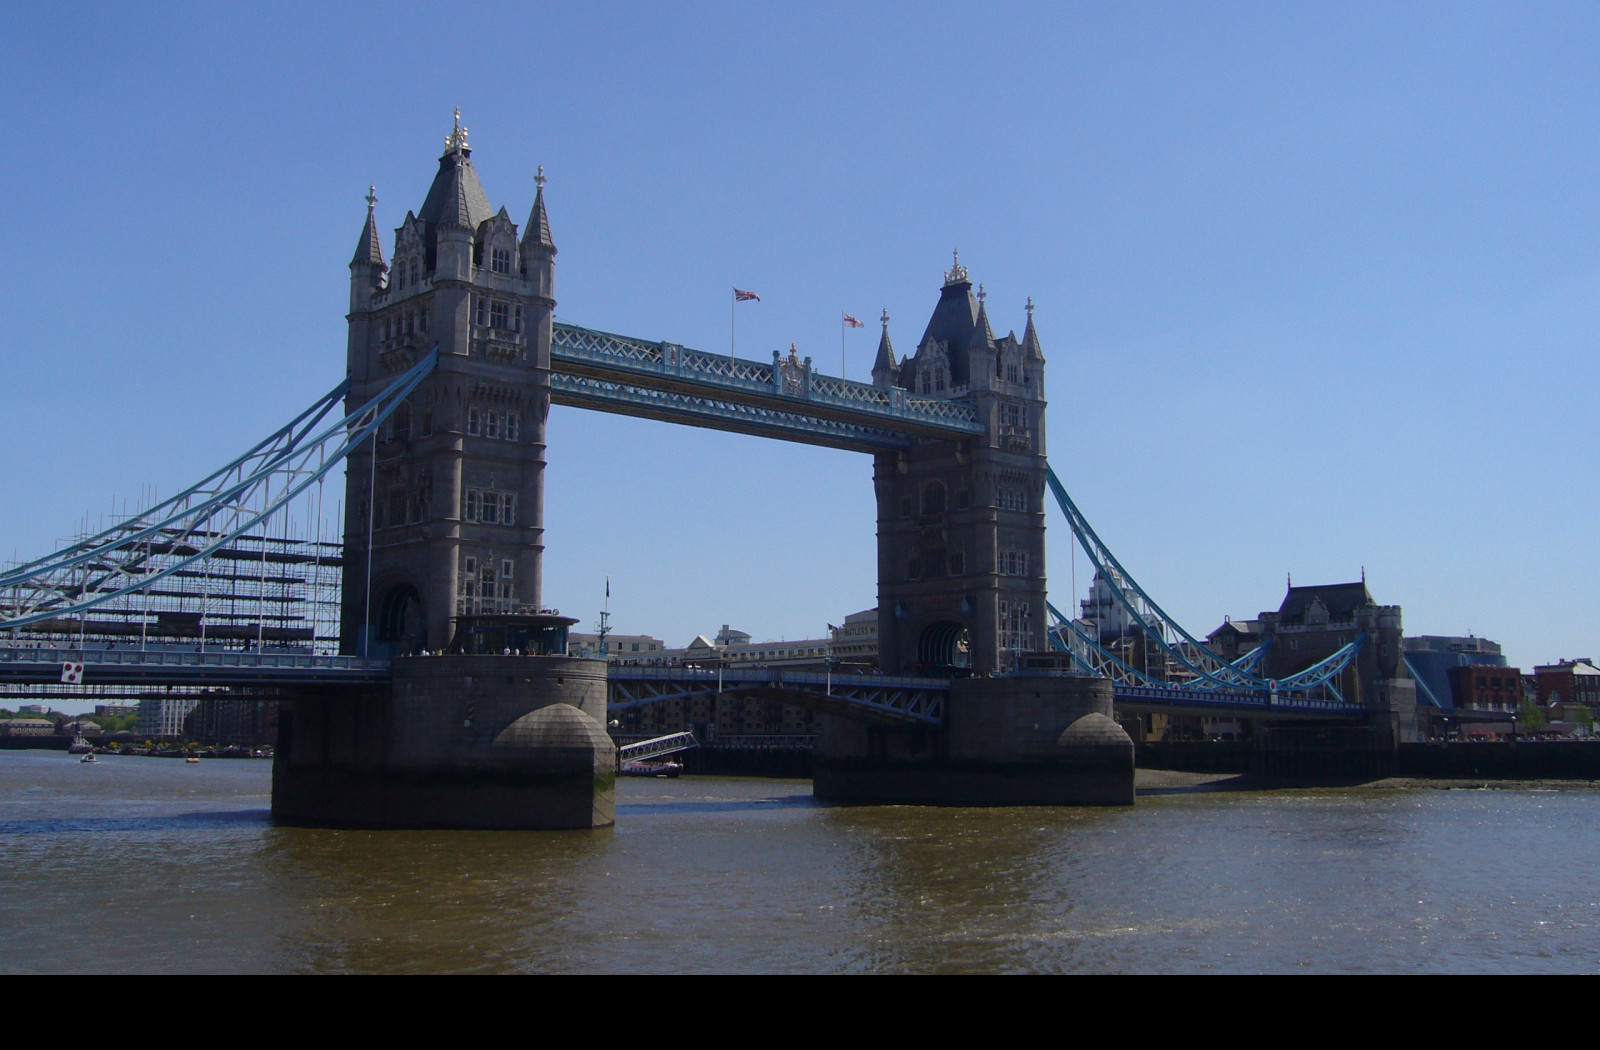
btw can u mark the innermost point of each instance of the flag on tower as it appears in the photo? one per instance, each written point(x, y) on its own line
point(851, 321)
point(742, 296)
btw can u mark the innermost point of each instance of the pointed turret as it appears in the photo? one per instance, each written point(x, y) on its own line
point(1030, 339)
point(884, 368)
point(369, 250)
point(537, 233)
point(982, 334)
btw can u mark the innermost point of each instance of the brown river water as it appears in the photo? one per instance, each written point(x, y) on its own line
point(155, 865)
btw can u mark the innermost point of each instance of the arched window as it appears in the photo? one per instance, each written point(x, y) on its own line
point(933, 497)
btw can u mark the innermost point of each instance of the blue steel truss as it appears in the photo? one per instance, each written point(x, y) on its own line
point(880, 698)
point(1201, 668)
point(203, 519)
point(785, 399)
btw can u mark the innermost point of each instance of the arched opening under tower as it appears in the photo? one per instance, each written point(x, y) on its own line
point(945, 645)
point(400, 626)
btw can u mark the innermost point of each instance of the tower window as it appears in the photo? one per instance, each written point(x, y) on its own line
point(491, 427)
point(497, 315)
point(511, 426)
point(500, 260)
point(481, 315)
point(474, 422)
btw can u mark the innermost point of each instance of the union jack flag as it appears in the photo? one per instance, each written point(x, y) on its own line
point(742, 296)
point(851, 321)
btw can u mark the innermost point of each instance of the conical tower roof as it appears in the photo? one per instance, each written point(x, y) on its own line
point(537, 233)
point(1030, 338)
point(885, 359)
point(370, 248)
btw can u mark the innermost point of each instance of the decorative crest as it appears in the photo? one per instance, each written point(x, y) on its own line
point(957, 273)
point(458, 135)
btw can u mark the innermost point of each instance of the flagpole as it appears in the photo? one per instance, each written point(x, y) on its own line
point(842, 327)
point(733, 301)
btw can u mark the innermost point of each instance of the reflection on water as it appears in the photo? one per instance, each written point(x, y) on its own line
point(138, 864)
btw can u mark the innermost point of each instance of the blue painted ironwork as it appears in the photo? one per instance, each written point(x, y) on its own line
point(784, 399)
point(1209, 670)
point(33, 665)
point(204, 518)
point(885, 698)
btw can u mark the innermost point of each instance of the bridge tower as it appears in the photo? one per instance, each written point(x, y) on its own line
point(453, 505)
point(961, 524)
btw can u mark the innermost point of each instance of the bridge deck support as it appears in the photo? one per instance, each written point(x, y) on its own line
point(1046, 741)
point(455, 742)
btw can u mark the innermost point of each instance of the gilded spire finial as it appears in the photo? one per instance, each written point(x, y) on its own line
point(1030, 307)
point(538, 180)
point(885, 318)
point(372, 197)
point(458, 135)
point(957, 273)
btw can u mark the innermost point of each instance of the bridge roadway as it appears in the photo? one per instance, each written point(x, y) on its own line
point(885, 699)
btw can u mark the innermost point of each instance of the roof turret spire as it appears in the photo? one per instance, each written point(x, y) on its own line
point(883, 366)
point(1030, 338)
point(370, 248)
point(537, 233)
point(982, 334)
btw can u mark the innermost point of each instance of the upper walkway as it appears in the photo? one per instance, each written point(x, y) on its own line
point(785, 399)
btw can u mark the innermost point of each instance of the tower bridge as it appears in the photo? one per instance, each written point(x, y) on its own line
point(453, 359)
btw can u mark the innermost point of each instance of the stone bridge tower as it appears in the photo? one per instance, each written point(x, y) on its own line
point(961, 579)
point(454, 503)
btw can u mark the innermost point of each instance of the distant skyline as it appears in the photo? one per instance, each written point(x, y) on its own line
point(1318, 285)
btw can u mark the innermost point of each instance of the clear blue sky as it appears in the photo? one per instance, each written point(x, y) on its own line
point(1318, 284)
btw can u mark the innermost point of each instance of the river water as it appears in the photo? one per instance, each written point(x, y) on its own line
point(143, 864)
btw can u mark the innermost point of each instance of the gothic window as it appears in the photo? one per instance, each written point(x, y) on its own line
point(491, 508)
point(1013, 563)
point(422, 320)
point(405, 323)
point(481, 316)
point(471, 502)
point(1012, 497)
point(1012, 372)
point(400, 272)
point(938, 380)
point(402, 423)
point(508, 508)
point(933, 498)
point(505, 568)
point(474, 422)
point(914, 569)
point(497, 315)
point(963, 500)
point(958, 563)
point(519, 318)
point(511, 426)
point(413, 271)
point(1013, 416)
point(491, 425)
point(500, 260)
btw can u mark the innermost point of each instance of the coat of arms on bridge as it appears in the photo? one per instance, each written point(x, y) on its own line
point(793, 372)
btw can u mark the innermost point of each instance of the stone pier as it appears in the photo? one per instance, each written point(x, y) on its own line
point(1016, 741)
point(456, 742)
